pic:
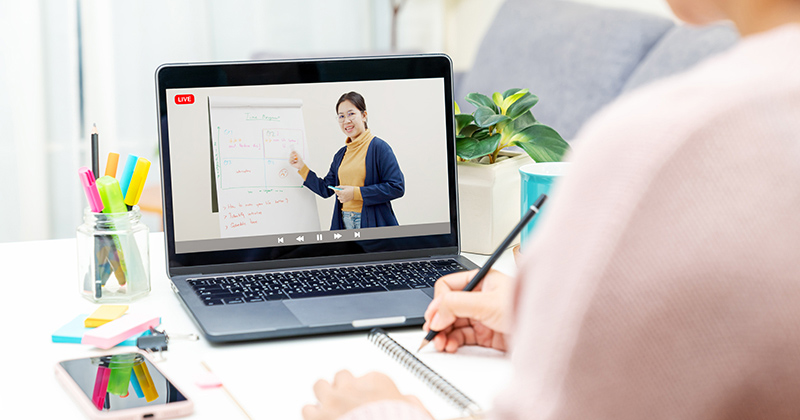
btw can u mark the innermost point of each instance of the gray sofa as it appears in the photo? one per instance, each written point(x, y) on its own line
point(577, 57)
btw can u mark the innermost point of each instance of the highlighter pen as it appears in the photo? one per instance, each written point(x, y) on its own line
point(336, 188)
point(111, 195)
point(136, 387)
point(111, 164)
point(121, 368)
point(532, 211)
point(137, 182)
point(100, 386)
point(90, 188)
point(127, 173)
point(95, 151)
point(101, 267)
point(145, 381)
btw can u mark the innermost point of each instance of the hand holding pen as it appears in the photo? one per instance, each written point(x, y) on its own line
point(477, 318)
point(481, 308)
point(295, 160)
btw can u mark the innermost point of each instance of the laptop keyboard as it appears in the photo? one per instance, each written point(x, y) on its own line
point(252, 288)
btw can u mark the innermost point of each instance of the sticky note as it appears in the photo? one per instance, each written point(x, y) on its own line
point(104, 314)
point(73, 331)
point(110, 334)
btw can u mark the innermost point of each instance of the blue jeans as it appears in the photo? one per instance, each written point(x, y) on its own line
point(352, 220)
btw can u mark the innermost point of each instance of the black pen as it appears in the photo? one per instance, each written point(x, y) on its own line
point(495, 256)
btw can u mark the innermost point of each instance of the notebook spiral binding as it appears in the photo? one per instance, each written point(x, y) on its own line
point(427, 375)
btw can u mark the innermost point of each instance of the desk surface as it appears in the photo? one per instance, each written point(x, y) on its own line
point(271, 379)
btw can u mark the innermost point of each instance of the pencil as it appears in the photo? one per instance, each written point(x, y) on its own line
point(228, 392)
point(95, 152)
point(532, 210)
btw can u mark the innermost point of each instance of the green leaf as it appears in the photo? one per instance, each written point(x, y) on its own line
point(501, 125)
point(458, 110)
point(541, 143)
point(525, 120)
point(470, 148)
point(497, 99)
point(507, 102)
point(515, 126)
point(522, 105)
point(487, 117)
point(462, 120)
point(510, 92)
point(480, 134)
point(469, 130)
point(480, 100)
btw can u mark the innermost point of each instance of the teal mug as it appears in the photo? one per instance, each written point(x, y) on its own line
point(536, 179)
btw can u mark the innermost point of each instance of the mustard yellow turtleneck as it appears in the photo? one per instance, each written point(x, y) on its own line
point(353, 169)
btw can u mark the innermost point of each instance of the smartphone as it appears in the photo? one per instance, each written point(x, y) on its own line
point(124, 385)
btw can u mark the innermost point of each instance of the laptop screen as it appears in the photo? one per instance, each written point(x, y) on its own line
point(293, 161)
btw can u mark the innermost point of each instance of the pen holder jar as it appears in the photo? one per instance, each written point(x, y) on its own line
point(113, 256)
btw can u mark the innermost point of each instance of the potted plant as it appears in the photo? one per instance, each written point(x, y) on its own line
point(489, 181)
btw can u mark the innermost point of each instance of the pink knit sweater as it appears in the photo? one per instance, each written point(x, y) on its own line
point(665, 281)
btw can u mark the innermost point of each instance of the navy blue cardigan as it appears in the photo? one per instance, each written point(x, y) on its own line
point(383, 182)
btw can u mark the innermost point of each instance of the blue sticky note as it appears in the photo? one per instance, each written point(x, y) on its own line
point(73, 331)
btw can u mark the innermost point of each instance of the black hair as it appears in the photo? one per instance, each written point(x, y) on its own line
point(356, 99)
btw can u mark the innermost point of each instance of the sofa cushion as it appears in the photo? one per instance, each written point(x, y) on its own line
point(575, 57)
point(680, 49)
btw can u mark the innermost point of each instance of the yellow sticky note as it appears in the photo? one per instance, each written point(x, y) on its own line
point(104, 314)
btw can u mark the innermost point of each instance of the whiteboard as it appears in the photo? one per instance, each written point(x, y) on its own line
point(258, 192)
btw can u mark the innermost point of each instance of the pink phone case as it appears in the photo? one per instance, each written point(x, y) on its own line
point(166, 411)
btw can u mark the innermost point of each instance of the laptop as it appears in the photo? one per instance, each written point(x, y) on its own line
point(257, 248)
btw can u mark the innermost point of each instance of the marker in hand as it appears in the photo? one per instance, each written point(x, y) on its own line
point(336, 188)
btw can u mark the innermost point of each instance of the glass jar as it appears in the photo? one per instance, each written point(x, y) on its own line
point(113, 256)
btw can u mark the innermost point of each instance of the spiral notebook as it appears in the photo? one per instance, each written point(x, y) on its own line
point(427, 375)
point(275, 379)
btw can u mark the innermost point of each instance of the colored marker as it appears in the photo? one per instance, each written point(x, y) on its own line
point(336, 188)
point(137, 182)
point(100, 387)
point(145, 381)
point(121, 367)
point(111, 195)
point(136, 387)
point(111, 164)
point(102, 267)
point(127, 173)
point(90, 188)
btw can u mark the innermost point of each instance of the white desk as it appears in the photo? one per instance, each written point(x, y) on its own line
point(271, 379)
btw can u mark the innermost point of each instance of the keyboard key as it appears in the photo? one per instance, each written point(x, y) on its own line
point(262, 287)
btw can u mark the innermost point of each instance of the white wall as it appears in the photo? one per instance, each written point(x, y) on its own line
point(24, 191)
point(46, 114)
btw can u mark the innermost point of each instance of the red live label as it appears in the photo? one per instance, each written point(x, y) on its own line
point(184, 99)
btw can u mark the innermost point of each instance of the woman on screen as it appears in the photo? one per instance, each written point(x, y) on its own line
point(364, 173)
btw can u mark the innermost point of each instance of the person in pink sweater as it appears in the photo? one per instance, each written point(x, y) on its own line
point(664, 281)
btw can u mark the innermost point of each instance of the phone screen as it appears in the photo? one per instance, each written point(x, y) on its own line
point(121, 381)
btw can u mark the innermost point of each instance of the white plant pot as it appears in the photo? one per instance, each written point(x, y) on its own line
point(488, 200)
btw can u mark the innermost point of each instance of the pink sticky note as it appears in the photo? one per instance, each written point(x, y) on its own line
point(110, 334)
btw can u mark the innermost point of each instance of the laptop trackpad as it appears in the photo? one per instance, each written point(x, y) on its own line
point(337, 310)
